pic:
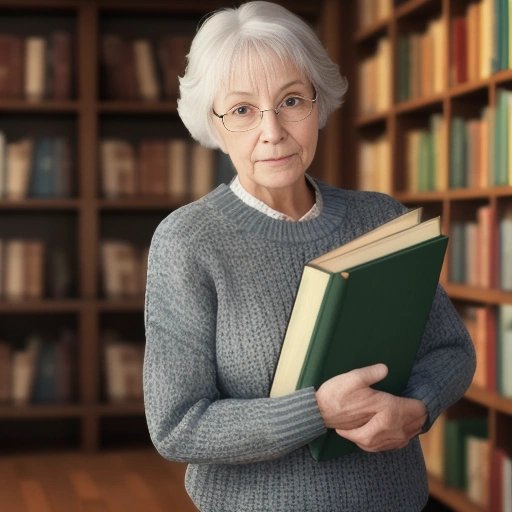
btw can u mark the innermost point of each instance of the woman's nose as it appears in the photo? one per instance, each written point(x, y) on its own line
point(271, 128)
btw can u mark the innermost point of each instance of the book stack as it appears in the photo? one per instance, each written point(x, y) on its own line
point(161, 167)
point(421, 57)
point(363, 303)
point(375, 165)
point(38, 371)
point(35, 168)
point(36, 67)
point(123, 368)
point(481, 36)
point(140, 69)
point(425, 147)
point(473, 250)
point(124, 269)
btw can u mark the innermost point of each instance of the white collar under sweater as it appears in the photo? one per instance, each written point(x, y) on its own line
point(252, 201)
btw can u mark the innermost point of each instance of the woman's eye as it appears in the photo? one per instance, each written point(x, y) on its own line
point(242, 110)
point(292, 101)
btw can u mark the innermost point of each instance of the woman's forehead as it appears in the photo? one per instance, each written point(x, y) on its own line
point(255, 74)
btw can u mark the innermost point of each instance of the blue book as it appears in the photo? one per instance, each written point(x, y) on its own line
point(46, 374)
point(44, 169)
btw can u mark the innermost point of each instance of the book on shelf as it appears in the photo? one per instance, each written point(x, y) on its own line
point(504, 350)
point(480, 321)
point(505, 249)
point(360, 304)
point(432, 446)
point(123, 368)
point(143, 69)
point(36, 67)
point(123, 266)
point(456, 433)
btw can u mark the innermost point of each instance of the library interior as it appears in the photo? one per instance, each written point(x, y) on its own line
point(88, 101)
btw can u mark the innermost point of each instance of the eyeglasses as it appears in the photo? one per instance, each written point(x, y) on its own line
point(245, 117)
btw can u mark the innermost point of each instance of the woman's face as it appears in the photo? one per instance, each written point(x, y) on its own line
point(275, 154)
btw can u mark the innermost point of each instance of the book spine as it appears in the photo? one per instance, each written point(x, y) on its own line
point(325, 324)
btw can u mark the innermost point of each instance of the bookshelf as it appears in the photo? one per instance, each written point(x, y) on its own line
point(442, 84)
point(77, 221)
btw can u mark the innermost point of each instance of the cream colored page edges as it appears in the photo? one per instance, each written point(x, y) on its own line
point(407, 238)
point(405, 221)
point(296, 340)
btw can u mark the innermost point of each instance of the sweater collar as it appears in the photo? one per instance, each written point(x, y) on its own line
point(242, 217)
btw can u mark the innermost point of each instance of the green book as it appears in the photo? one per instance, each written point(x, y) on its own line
point(456, 432)
point(366, 306)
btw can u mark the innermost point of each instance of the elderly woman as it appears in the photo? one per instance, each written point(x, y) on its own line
point(223, 273)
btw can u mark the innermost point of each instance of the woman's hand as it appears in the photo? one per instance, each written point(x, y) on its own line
point(373, 420)
point(396, 422)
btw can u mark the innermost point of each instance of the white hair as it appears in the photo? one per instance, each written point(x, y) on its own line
point(257, 35)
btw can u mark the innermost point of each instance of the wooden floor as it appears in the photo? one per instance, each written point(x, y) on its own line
point(133, 481)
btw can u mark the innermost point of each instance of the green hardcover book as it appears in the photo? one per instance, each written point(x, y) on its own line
point(455, 454)
point(348, 315)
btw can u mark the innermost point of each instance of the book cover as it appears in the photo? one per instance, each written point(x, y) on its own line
point(331, 313)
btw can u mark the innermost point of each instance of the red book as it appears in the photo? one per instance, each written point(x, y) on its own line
point(458, 66)
point(11, 66)
point(61, 45)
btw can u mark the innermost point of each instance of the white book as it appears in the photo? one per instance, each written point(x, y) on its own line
point(145, 70)
point(505, 349)
point(178, 167)
point(118, 168)
point(35, 63)
point(23, 371)
point(506, 250)
point(19, 164)
point(507, 484)
point(3, 162)
point(14, 269)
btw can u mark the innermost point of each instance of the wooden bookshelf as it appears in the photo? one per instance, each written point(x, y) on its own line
point(453, 204)
point(81, 220)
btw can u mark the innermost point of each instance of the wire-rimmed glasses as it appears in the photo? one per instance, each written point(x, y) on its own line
point(244, 116)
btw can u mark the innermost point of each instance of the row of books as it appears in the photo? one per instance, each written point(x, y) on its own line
point(373, 11)
point(374, 79)
point(123, 361)
point(480, 41)
point(421, 62)
point(481, 255)
point(375, 165)
point(35, 167)
point(457, 451)
point(36, 67)
point(124, 268)
point(29, 269)
point(38, 371)
point(426, 167)
point(141, 69)
point(164, 167)
point(480, 153)
point(491, 331)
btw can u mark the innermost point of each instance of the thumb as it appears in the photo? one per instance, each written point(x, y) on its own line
point(369, 375)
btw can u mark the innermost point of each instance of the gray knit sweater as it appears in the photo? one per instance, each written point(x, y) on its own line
point(222, 278)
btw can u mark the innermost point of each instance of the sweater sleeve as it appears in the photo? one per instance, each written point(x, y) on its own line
point(445, 362)
point(187, 417)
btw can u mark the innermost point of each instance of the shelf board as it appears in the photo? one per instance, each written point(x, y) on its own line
point(41, 306)
point(137, 107)
point(473, 293)
point(40, 411)
point(427, 103)
point(454, 498)
point(370, 119)
point(53, 106)
point(372, 30)
point(120, 409)
point(489, 399)
point(115, 305)
point(454, 194)
point(143, 203)
point(40, 204)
